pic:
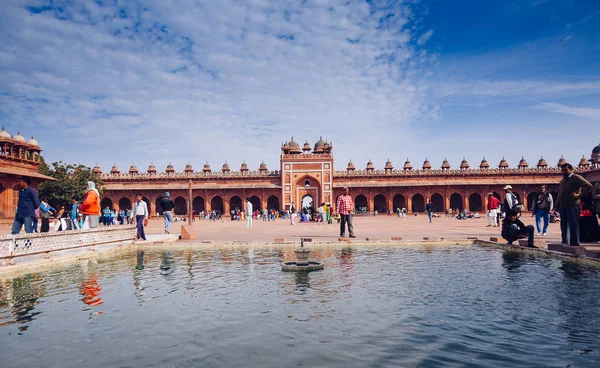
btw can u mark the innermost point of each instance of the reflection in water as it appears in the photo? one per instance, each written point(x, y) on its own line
point(167, 264)
point(90, 290)
point(302, 282)
point(512, 261)
point(405, 306)
point(20, 298)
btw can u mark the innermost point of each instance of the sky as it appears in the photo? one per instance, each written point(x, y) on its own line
point(124, 82)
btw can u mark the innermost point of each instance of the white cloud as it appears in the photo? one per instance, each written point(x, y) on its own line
point(425, 37)
point(215, 81)
point(582, 112)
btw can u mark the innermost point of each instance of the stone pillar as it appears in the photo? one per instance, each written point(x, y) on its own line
point(408, 202)
point(227, 205)
point(370, 202)
point(466, 201)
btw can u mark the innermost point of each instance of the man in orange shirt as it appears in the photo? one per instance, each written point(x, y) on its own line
point(90, 207)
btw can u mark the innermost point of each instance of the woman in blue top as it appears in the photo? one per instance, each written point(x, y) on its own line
point(45, 212)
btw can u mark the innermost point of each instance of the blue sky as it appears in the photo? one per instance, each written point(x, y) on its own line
point(141, 81)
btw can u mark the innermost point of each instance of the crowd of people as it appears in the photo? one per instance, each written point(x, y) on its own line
point(33, 212)
point(576, 208)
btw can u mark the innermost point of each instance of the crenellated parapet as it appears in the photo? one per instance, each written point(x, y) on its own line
point(204, 175)
point(458, 172)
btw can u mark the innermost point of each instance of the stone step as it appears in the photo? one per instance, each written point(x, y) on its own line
point(397, 238)
point(579, 250)
point(538, 243)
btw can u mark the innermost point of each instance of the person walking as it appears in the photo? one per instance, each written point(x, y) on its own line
point(542, 208)
point(28, 202)
point(140, 212)
point(344, 208)
point(46, 211)
point(90, 207)
point(167, 205)
point(404, 211)
point(429, 209)
point(492, 210)
point(572, 187)
point(292, 213)
point(249, 214)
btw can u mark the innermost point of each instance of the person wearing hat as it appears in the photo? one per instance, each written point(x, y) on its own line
point(510, 199)
point(167, 205)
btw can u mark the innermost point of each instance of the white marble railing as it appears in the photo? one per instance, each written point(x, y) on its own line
point(13, 246)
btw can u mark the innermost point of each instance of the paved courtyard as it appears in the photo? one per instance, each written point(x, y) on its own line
point(380, 227)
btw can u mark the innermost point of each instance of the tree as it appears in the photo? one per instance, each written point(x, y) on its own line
point(72, 182)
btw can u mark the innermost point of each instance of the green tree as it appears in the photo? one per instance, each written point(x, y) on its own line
point(71, 182)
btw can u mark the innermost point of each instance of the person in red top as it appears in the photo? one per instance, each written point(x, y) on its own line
point(492, 210)
point(344, 207)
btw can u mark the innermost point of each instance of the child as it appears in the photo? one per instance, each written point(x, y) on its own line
point(513, 229)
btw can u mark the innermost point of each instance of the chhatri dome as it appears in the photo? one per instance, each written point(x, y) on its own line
point(503, 164)
point(18, 138)
point(445, 164)
point(561, 161)
point(170, 168)
point(426, 164)
point(206, 167)
point(319, 146)
point(133, 169)
point(306, 147)
point(464, 164)
point(244, 166)
point(350, 165)
point(388, 165)
point(33, 143)
point(114, 169)
point(225, 167)
point(151, 168)
point(370, 165)
point(5, 136)
point(584, 162)
point(262, 166)
point(407, 164)
point(188, 168)
point(97, 169)
point(542, 162)
point(523, 163)
point(484, 164)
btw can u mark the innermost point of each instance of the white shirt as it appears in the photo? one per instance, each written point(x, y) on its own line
point(510, 199)
point(140, 209)
point(249, 208)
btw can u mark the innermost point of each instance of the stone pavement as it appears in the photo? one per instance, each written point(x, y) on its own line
point(380, 228)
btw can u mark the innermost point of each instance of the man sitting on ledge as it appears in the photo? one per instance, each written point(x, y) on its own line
point(513, 229)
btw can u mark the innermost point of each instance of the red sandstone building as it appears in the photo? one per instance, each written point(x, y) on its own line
point(309, 172)
point(18, 157)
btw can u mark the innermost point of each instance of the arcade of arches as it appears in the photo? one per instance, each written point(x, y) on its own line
point(223, 202)
point(366, 200)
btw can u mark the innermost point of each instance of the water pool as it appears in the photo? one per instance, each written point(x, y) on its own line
point(371, 307)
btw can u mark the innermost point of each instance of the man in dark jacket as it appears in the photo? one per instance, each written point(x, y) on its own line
point(513, 229)
point(28, 203)
point(572, 187)
point(167, 205)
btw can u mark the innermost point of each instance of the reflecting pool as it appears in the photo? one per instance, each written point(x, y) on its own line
point(370, 307)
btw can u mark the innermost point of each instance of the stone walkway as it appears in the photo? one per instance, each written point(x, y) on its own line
point(380, 228)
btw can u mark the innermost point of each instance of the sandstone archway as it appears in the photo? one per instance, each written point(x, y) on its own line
point(418, 203)
point(456, 201)
point(380, 203)
point(399, 202)
point(475, 203)
point(180, 206)
point(437, 200)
